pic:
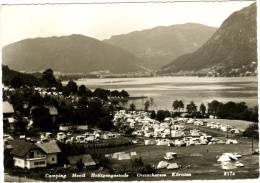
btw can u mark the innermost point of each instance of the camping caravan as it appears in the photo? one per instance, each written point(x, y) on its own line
point(194, 133)
point(172, 166)
point(230, 141)
point(234, 131)
point(162, 164)
point(178, 142)
point(170, 155)
point(227, 165)
point(176, 133)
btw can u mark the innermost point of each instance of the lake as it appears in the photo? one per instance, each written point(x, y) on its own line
point(164, 90)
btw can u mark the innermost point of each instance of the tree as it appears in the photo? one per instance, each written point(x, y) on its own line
point(167, 114)
point(79, 164)
point(153, 115)
point(160, 115)
point(70, 88)
point(48, 78)
point(214, 107)
point(124, 94)
point(16, 82)
point(181, 105)
point(252, 130)
point(203, 108)
point(191, 107)
point(177, 105)
point(105, 123)
point(147, 105)
point(83, 101)
point(132, 107)
point(101, 93)
point(17, 99)
point(114, 93)
point(82, 90)
point(42, 118)
point(35, 99)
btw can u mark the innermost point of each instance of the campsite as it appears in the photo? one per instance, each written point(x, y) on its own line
point(199, 161)
point(189, 148)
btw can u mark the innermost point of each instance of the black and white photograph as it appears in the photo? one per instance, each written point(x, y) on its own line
point(117, 90)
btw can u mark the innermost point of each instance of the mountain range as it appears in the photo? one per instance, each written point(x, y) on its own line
point(158, 46)
point(233, 46)
point(69, 54)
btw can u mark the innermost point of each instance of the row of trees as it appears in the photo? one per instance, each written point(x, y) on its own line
point(229, 110)
point(47, 79)
point(82, 90)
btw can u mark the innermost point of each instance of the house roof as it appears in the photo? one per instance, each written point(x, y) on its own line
point(49, 147)
point(86, 159)
point(21, 148)
point(53, 110)
point(7, 107)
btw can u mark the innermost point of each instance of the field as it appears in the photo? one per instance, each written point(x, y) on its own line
point(200, 160)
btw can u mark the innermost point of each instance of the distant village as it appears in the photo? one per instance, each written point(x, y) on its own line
point(244, 71)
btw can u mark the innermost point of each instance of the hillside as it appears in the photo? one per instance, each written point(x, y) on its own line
point(17, 79)
point(69, 54)
point(160, 45)
point(232, 48)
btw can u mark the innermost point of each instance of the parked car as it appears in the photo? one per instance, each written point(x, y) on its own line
point(238, 164)
point(7, 137)
point(237, 155)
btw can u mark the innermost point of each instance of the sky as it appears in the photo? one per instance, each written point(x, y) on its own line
point(101, 21)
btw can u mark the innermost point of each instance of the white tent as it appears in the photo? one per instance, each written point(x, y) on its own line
point(226, 157)
point(147, 142)
point(231, 156)
point(123, 156)
point(105, 136)
point(172, 166)
point(234, 131)
point(115, 155)
point(162, 164)
point(133, 153)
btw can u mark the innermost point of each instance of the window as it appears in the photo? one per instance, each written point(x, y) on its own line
point(31, 155)
point(53, 159)
point(39, 163)
point(38, 152)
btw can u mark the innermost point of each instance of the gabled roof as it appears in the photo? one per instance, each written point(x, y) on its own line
point(21, 148)
point(7, 107)
point(86, 159)
point(49, 147)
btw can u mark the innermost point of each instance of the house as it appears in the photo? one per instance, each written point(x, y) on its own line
point(8, 109)
point(33, 155)
point(8, 112)
point(86, 159)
